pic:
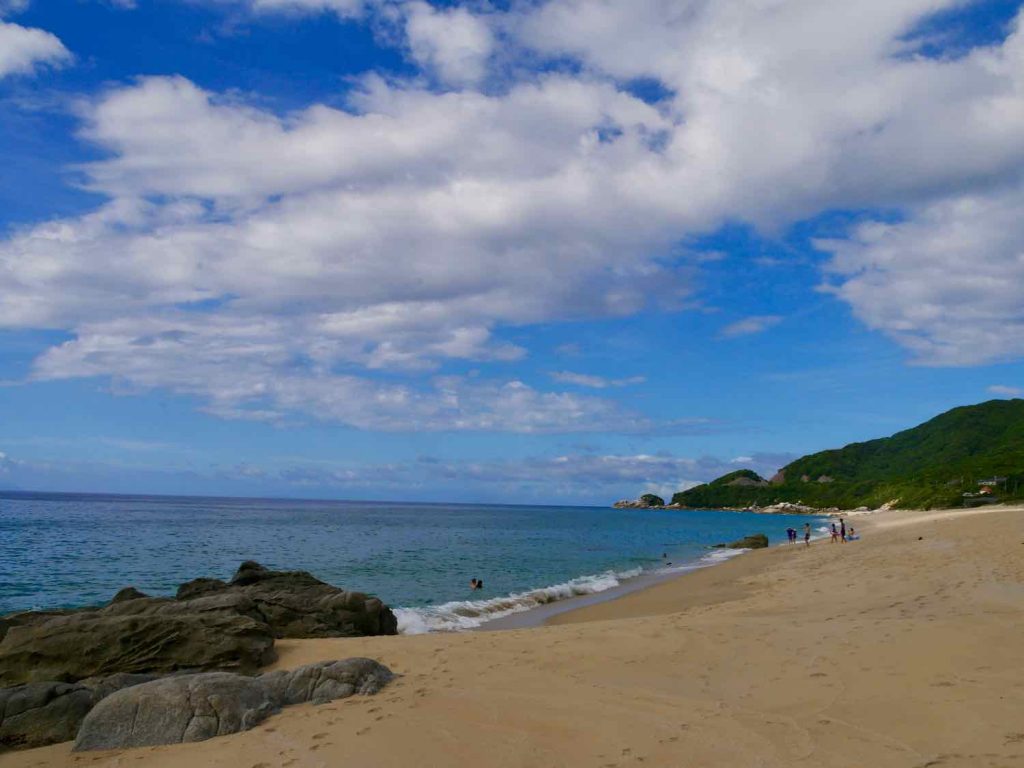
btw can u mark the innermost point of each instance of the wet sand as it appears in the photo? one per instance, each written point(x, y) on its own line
point(902, 649)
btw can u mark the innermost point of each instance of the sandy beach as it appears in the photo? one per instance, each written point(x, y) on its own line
point(901, 649)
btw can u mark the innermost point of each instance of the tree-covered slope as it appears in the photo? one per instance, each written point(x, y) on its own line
point(931, 465)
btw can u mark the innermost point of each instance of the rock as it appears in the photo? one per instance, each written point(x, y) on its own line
point(175, 709)
point(211, 625)
point(249, 572)
point(327, 681)
point(647, 501)
point(789, 508)
point(142, 635)
point(201, 706)
point(128, 593)
point(296, 604)
point(754, 541)
point(37, 714)
point(199, 587)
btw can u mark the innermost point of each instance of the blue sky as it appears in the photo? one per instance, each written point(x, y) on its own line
point(552, 251)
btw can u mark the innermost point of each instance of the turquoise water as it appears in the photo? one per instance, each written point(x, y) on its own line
point(62, 550)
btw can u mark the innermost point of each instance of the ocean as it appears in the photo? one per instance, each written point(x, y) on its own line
point(69, 550)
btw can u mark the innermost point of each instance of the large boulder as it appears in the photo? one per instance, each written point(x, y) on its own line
point(296, 604)
point(326, 681)
point(201, 706)
point(210, 625)
point(141, 635)
point(37, 714)
point(754, 541)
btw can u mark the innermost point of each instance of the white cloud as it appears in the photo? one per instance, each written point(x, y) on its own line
point(594, 476)
point(750, 325)
point(451, 42)
point(25, 49)
point(945, 282)
point(595, 382)
point(412, 227)
point(343, 8)
point(252, 368)
point(1004, 391)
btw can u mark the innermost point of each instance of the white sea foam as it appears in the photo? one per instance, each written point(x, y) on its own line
point(467, 614)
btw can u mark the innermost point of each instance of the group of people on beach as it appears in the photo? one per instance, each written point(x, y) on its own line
point(791, 534)
point(839, 533)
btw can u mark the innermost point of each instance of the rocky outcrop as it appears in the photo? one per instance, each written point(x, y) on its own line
point(199, 587)
point(141, 635)
point(128, 593)
point(210, 625)
point(37, 714)
point(647, 501)
point(201, 706)
point(788, 508)
point(754, 541)
point(296, 604)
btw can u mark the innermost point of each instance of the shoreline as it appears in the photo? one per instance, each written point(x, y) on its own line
point(894, 651)
point(542, 614)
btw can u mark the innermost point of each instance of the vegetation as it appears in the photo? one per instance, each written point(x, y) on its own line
point(652, 501)
point(929, 466)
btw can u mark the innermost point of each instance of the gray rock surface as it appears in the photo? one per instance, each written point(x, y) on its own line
point(128, 593)
point(141, 635)
point(754, 541)
point(201, 706)
point(198, 587)
point(210, 625)
point(296, 604)
point(38, 714)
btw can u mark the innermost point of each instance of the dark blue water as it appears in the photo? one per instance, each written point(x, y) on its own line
point(60, 550)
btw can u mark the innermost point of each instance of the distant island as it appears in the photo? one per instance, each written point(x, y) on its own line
point(968, 455)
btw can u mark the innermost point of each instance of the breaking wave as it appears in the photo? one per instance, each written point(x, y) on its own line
point(467, 614)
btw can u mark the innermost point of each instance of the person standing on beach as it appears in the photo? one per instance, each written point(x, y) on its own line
point(807, 534)
point(842, 529)
point(835, 533)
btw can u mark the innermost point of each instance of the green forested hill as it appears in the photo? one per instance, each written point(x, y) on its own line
point(931, 465)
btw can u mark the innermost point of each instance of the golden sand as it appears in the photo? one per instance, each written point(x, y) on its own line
point(903, 649)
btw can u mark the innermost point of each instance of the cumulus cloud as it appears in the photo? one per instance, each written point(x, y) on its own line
point(23, 50)
point(451, 42)
point(944, 282)
point(595, 382)
point(410, 228)
point(1004, 391)
point(750, 325)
